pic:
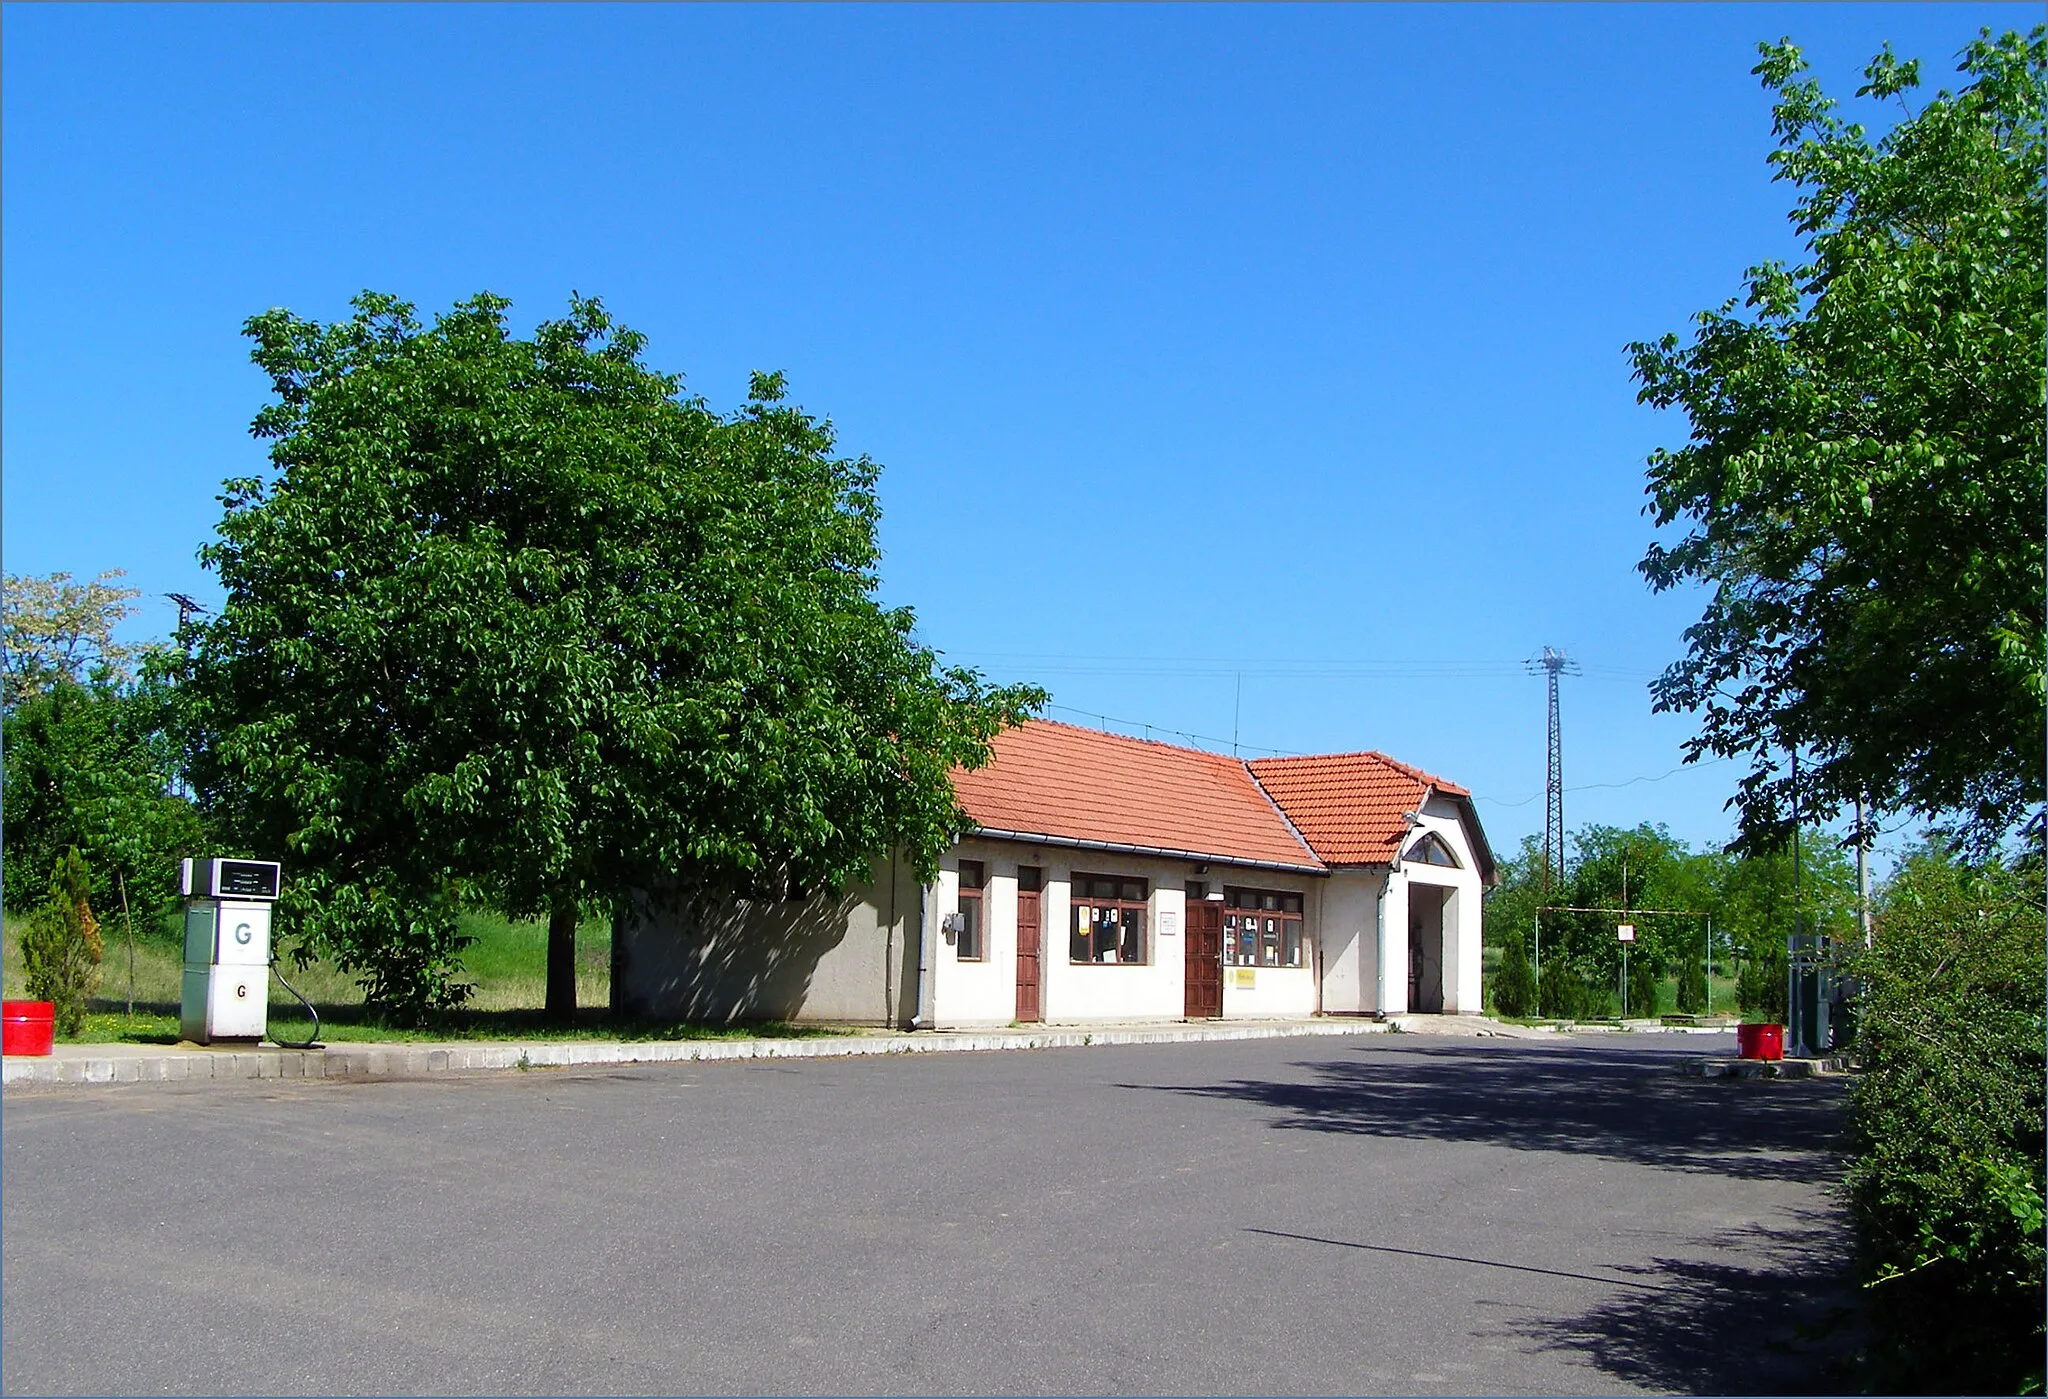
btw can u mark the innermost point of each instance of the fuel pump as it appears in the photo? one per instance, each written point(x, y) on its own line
point(227, 949)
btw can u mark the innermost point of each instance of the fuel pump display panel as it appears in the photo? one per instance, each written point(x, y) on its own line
point(245, 879)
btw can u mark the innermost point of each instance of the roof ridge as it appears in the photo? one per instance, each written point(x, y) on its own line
point(1421, 775)
point(1128, 738)
point(1281, 812)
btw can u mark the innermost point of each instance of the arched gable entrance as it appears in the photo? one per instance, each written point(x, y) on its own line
point(1426, 948)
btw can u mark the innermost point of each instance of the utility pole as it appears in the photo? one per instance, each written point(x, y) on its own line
point(1862, 875)
point(187, 609)
point(1553, 663)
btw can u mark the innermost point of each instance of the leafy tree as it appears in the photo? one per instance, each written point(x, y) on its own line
point(517, 618)
point(56, 629)
point(1862, 487)
point(1946, 1120)
point(1748, 897)
point(92, 766)
point(60, 946)
point(1514, 985)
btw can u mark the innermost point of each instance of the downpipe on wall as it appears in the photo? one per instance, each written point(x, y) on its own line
point(922, 1020)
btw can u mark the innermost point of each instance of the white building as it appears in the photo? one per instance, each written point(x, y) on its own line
point(1114, 879)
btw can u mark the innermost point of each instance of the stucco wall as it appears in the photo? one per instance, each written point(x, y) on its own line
point(855, 958)
point(849, 958)
point(985, 992)
point(1461, 908)
point(969, 993)
point(1275, 993)
point(1347, 928)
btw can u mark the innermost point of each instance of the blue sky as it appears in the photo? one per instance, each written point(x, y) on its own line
point(1251, 371)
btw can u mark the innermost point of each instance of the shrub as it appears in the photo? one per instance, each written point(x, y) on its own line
point(1565, 993)
point(60, 946)
point(1760, 988)
point(403, 948)
point(1514, 985)
point(1947, 1125)
point(1642, 986)
point(1692, 985)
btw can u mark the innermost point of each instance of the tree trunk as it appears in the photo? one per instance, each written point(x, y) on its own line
point(561, 1002)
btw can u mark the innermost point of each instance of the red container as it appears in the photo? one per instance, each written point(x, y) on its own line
point(27, 1027)
point(1760, 1041)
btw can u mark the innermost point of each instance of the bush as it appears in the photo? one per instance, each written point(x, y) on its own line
point(1514, 985)
point(1947, 1124)
point(60, 946)
point(1760, 988)
point(1566, 994)
point(1642, 986)
point(403, 948)
point(1692, 985)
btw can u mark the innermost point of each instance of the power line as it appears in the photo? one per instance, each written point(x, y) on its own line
point(1605, 786)
point(1223, 667)
point(1105, 720)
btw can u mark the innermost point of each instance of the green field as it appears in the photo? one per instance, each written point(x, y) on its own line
point(507, 964)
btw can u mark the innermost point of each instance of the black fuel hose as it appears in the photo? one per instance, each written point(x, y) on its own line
point(313, 1040)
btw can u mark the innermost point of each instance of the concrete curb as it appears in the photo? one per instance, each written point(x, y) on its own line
point(1766, 1068)
point(90, 1064)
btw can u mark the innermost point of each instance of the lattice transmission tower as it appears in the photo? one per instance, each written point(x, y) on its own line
point(1551, 664)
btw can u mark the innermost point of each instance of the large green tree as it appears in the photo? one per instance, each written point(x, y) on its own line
point(89, 761)
point(1862, 488)
point(518, 618)
point(93, 767)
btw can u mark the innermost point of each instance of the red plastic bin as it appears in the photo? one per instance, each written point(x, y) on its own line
point(27, 1027)
point(1760, 1041)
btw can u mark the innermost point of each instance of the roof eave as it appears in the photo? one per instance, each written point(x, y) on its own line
point(1158, 851)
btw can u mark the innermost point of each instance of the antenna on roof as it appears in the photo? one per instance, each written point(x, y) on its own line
point(1236, 710)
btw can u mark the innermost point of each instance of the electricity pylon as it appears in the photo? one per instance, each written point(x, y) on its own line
point(1553, 663)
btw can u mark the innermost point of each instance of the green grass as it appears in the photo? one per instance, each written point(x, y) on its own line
point(507, 965)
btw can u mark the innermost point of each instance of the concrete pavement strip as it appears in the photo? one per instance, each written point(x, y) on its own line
point(138, 1063)
point(134, 1063)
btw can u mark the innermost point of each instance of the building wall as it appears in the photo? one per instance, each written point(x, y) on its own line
point(1349, 930)
point(1462, 992)
point(1268, 993)
point(967, 993)
point(850, 957)
point(1391, 978)
point(854, 957)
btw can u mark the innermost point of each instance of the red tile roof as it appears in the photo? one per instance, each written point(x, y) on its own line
point(1349, 806)
point(1069, 783)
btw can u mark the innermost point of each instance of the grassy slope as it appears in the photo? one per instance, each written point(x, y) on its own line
point(507, 964)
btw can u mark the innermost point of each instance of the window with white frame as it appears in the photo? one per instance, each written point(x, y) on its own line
point(1261, 928)
point(1108, 920)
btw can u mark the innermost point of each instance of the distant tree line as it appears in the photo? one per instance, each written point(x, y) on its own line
point(1748, 902)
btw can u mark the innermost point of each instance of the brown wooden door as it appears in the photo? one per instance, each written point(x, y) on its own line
point(1030, 936)
point(1204, 960)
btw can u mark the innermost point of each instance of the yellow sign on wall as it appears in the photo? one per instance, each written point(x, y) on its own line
point(1246, 978)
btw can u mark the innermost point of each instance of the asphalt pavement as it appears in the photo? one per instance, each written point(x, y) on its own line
point(1391, 1214)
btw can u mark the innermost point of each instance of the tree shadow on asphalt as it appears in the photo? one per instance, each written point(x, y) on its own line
point(1779, 1315)
point(1624, 1106)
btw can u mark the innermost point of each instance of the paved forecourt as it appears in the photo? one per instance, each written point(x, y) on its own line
point(1385, 1213)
